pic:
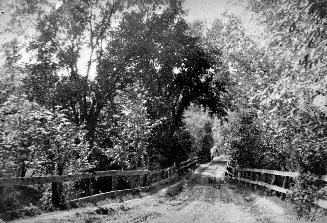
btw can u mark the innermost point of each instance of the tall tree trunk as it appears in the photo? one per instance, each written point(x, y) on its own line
point(92, 121)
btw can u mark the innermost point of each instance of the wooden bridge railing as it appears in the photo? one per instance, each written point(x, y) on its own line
point(272, 180)
point(152, 179)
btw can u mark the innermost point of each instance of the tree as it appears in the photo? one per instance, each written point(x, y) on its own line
point(175, 70)
point(290, 104)
point(11, 75)
point(144, 42)
point(63, 33)
point(134, 127)
point(34, 137)
point(275, 80)
point(288, 96)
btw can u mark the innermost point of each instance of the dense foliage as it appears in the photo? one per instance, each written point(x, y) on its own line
point(105, 87)
point(279, 90)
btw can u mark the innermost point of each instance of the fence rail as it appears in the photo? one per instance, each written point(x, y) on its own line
point(74, 177)
point(268, 179)
point(65, 178)
point(152, 179)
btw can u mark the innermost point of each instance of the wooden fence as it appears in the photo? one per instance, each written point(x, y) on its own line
point(140, 180)
point(271, 180)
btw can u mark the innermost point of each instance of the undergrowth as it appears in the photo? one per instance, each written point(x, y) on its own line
point(307, 189)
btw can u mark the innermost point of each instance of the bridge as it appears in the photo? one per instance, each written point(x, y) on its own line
point(203, 196)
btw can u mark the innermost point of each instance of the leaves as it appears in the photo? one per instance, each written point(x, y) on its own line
point(38, 138)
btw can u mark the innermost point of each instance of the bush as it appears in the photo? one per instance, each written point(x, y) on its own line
point(312, 157)
point(307, 189)
point(19, 201)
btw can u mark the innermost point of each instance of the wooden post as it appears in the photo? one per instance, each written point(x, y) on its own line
point(239, 176)
point(138, 181)
point(247, 177)
point(273, 179)
point(284, 186)
point(147, 179)
point(143, 182)
point(267, 181)
point(114, 183)
point(56, 198)
point(256, 179)
point(90, 186)
point(133, 184)
point(260, 179)
point(2, 197)
point(284, 182)
point(251, 176)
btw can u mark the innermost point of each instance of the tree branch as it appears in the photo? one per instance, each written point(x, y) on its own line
point(91, 45)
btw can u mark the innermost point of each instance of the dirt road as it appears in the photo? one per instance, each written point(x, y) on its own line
point(205, 197)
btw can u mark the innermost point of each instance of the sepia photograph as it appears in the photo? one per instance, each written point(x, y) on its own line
point(163, 111)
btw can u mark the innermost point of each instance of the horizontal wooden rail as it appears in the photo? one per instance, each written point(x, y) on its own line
point(235, 174)
point(188, 163)
point(13, 181)
point(113, 194)
point(170, 174)
point(109, 173)
point(138, 180)
point(64, 178)
point(268, 186)
point(274, 172)
point(156, 171)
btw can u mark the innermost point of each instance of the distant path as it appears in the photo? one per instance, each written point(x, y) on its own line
point(215, 168)
point(202, 200)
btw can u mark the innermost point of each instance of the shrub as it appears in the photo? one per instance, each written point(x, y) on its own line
point(307, 189)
